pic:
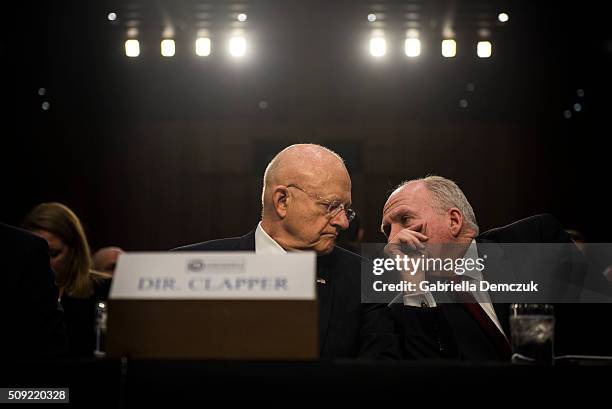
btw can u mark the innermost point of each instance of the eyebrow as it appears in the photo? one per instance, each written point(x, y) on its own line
point(393, 216)
point(400, 211)
point(336, 199)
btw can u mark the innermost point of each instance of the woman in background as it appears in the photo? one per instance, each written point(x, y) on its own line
point(80, 287)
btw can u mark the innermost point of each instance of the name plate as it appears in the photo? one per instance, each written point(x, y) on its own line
point(214, 276)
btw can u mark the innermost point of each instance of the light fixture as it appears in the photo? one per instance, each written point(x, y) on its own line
point(484, 49)
point(371, 17)
point(237, 46)
point(242, 17)
point(449, 48)
point(202, 46)
point(503, 17)
point(132, 48)
point(412, 47)
point(167, 48)
point(378, 46)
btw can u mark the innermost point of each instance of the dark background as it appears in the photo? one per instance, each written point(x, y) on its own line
point(155, 152)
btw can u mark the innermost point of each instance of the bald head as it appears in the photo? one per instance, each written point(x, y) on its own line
point(307, 165)
point(301, 184)
point(105, 259)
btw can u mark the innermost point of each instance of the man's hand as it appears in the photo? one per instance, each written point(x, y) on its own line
point(408, 242)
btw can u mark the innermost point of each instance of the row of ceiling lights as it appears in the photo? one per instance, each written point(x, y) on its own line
point(412, 44)
point(377, 45)
point(412, 47)
point(238, 47)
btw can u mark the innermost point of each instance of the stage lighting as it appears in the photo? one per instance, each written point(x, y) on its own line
point(202, 46)
point(503, 17)
point(412, 47)
point(132, 48)
point(237, 46)
point(378, 46)
point(449, 48)
point(112, 16)
point(484, 49)
point(167, 48)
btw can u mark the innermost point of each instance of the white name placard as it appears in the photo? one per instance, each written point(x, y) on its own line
point(215, 276)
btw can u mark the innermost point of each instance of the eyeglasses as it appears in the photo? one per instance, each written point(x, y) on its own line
point(333, 208)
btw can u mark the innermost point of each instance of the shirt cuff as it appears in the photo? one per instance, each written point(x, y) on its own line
point(424, 300)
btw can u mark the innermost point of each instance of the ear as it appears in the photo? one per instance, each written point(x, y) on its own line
point(455, 220)
point(280, 198)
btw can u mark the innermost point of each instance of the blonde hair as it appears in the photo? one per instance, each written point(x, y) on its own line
point(59, 220)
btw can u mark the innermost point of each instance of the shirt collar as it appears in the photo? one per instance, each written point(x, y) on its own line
point(264, 244)
point(472, 253)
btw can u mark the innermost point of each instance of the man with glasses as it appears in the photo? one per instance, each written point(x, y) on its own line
point(306, 201)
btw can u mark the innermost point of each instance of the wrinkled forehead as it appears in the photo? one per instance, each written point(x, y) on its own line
point(412, 196)
point(328, 182)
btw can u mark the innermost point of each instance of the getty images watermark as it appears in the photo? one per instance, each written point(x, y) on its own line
point(505, 272)
point(443, 269)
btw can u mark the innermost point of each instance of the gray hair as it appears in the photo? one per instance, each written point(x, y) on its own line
point(446, 194)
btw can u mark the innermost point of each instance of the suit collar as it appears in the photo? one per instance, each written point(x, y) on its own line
point(246, 242)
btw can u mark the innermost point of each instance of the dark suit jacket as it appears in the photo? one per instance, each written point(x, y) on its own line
point(448, 331)
point(32, 319)
point(347, 328)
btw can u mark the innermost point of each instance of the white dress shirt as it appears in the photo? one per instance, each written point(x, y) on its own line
point(264, 244)
point(426, 299)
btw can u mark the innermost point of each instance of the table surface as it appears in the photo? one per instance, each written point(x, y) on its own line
point(113, 383)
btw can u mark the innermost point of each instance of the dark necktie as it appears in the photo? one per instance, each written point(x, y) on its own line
point(469, 303)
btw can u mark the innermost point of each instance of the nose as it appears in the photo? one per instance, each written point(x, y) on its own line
point(395, 228)
point(340, 220)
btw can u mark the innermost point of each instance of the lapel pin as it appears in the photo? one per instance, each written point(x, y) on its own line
point(321, 281)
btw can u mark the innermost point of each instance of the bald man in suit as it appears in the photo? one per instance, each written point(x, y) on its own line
point(306, 202)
